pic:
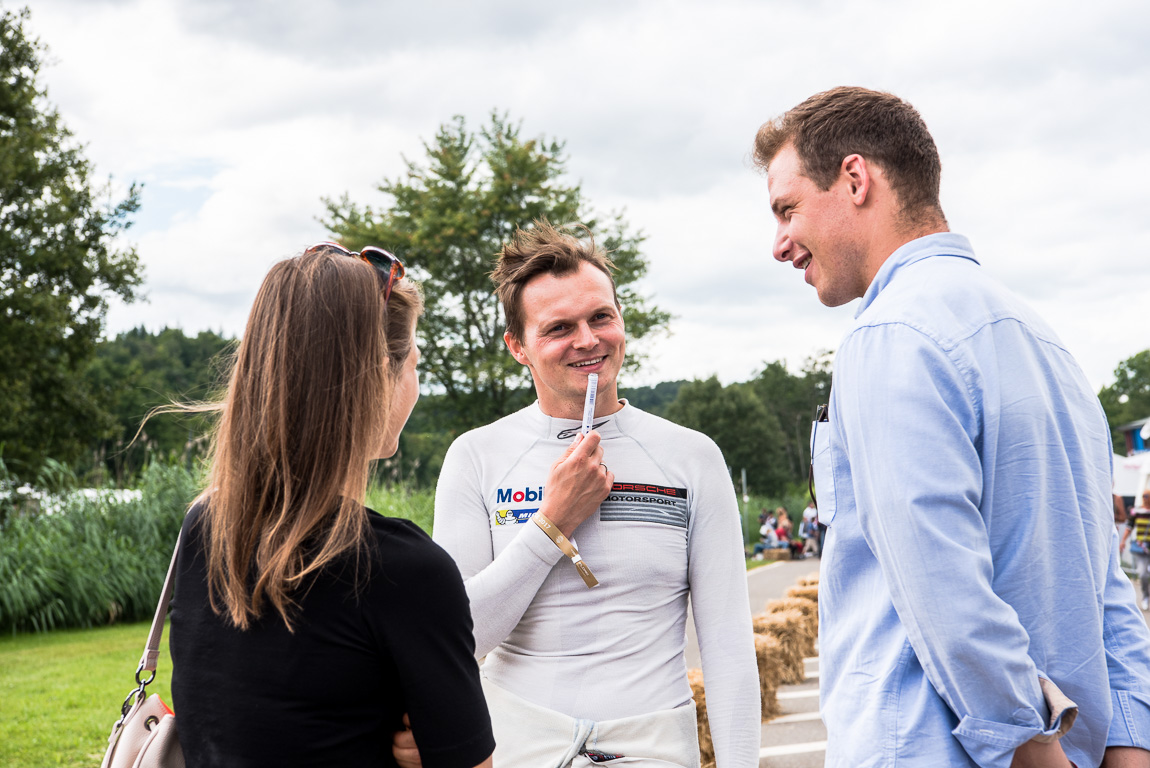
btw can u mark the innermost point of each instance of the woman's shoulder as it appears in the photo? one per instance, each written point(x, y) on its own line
point(189, 529)
point(402, 546)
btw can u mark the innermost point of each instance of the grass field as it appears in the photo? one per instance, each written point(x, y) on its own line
point(61, 691)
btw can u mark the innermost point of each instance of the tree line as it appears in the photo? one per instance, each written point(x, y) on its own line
point(761, 424)
point(72, 397)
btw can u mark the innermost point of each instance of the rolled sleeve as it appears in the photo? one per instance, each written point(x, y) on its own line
point(1130, 726)
point(991, 743)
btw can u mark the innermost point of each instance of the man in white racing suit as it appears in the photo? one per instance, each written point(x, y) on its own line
point(574, 674)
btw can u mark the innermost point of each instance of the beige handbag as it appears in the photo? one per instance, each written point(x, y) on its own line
point(145, 735)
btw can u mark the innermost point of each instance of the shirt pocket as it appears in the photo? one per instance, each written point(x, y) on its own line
point(823, 469)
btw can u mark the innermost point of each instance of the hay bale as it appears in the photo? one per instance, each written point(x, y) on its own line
point(768, 653)
point(810, 612)
point(706, 746)
point(809, 581)
point(810, 593)
point(793, 633)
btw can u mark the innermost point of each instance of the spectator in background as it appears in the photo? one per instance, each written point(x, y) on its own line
point(768, 539)
point(809, 530)
point(1119, 510)
point(1138, 521)
point(784, 526)
point(786, 533)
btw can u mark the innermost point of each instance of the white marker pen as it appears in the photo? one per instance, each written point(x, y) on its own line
point(589, 403)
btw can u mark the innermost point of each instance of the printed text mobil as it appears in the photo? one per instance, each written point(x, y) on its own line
point(510, 495)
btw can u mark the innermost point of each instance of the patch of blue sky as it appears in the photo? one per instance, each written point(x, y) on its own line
point(173, 193)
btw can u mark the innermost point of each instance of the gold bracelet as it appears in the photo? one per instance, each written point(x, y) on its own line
point(567, 547)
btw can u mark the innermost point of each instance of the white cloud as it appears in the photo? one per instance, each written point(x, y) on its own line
point(239, 117)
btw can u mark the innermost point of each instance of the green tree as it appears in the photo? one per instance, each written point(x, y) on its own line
point(58, 267)
point(139, 370)
point(1128, 398)
point(446, 218)
point(793, 399)
point(736, 419)
point(652, 399)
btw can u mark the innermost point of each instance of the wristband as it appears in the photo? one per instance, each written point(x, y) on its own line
point(567, 547)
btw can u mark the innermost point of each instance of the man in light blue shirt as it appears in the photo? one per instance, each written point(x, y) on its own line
point(972, 609)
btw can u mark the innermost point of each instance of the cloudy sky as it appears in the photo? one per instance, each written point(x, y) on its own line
point(238, 116)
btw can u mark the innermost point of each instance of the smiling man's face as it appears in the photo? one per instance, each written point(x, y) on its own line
point(816, 230)
point(571, 328)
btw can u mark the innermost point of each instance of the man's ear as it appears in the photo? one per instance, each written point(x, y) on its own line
point(858, 178)
point(516, 348)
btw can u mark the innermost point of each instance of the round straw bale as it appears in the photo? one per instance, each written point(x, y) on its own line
point(768, 653)
point(793, 634)
point(810, 612)
point(809, 581)
point(810, 593)
point(706, 746)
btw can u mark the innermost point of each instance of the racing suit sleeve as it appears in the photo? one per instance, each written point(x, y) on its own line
point(500, 589)
point(720, 604)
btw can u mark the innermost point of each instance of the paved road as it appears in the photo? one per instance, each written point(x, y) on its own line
point(797, 739)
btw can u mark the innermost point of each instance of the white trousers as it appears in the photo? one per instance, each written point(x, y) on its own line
point(530, 736)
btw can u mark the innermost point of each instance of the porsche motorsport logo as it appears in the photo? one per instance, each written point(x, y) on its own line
point(645, 503)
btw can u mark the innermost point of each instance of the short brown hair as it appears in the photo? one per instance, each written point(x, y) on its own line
point(542, 249)
point(880, 126)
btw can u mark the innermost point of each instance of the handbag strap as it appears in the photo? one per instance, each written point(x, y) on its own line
point(152, 649)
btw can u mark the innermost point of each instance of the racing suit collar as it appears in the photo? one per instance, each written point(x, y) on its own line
point(565, 430)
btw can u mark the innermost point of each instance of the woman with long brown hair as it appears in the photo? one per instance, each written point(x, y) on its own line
point(304, 625)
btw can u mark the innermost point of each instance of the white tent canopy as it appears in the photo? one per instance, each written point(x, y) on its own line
point(1132, 474)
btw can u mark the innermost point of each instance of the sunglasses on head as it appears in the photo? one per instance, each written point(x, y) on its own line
point(385, 263)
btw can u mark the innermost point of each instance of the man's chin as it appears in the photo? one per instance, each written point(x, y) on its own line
point(834, 300)
point(831, 301)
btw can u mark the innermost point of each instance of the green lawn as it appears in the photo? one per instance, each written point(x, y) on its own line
point(61, 691)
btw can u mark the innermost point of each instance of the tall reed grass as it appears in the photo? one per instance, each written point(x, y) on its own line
point(84, 559)
point(95, 559)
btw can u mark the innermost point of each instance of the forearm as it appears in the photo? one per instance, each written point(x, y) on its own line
point(501, 593)
point(1126, 757)
point(722, 614)
point(1035, 754)
point(734, 708)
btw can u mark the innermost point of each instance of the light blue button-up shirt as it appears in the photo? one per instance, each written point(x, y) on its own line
point(965, 476)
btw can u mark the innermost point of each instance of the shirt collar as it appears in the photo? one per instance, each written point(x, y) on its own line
point(566, 429)
point(938, 244)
